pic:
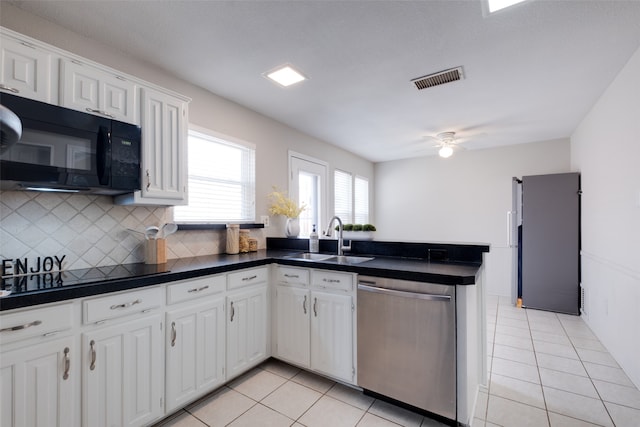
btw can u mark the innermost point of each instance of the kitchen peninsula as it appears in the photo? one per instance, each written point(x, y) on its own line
point(145, 309)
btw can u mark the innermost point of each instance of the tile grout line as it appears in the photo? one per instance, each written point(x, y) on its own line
point(589, 375)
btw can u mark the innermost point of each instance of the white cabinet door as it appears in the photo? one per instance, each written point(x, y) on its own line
point(122, 375)
point(194, 351)
point(332, 334)
point(38, 385)
point(25, 70)
point(293, 342)
point(92, 90)
point(246, 329)
point(164, 152)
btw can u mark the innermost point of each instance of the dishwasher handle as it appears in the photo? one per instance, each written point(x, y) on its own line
point(404, 294)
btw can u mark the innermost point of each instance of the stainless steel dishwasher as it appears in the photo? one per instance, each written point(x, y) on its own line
point(407, 342)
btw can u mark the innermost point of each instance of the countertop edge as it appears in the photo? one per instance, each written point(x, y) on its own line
point(47, 296)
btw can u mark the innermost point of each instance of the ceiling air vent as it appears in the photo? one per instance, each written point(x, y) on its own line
point(439, 78)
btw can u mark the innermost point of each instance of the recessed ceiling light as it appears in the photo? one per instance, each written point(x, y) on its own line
point(285, 75)
point(496, 5)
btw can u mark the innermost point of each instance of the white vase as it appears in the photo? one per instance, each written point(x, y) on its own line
point(292, 227)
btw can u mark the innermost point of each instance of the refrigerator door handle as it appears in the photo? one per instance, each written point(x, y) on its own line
point(509, 237)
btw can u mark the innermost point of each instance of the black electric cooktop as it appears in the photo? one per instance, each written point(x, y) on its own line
point(59, 279)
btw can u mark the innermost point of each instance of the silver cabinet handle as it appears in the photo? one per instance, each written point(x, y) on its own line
point(292, 276)
point(148, 180)
point(20, 327)
point(103, 113)
point(126, 304)
point(198, 289)
point(174, 334)
point(315, 307)
point(67, 364)
point(244, 279)
point(9, 89)
point(331, 280)
point(233, 311)
point(304, 305)
point(92, 366)
point(405, 294)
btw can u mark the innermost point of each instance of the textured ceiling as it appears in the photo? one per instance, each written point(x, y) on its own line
point(532, 71)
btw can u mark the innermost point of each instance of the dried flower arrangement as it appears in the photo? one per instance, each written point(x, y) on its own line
point(281, 204)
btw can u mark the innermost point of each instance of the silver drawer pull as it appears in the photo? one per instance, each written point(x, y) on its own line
point(126, 304)
point(198, 289)
point(92, 366)
point(244, 279)
point(292, 276)
point(21, 327)
point(104, 113)
point(315, 307)
point(67, 364)
point(9, 89)
point(304, 305)
point(331, 280)
point(174, 334)
point(233, 311)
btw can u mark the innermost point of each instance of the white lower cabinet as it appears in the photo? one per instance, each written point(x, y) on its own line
point(246, 329)
point(122, 373)
point(38, 385)
point(293, 324)
point(332, 335)
point(195, 353)
point(314, 327)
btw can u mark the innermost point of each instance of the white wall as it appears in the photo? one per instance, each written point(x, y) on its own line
point(605, 148)
point(464, 198)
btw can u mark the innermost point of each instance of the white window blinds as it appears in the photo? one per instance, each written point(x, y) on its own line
point(361, 201)
point(343, 196)
point(221, 181)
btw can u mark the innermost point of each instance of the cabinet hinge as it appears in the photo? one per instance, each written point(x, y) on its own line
point(160, 326)
point(353, 372)
point(161, 402)
point(353, 307)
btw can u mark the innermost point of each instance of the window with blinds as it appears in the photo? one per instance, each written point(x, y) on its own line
point(343, 195)
point(351, 198)
point(361, 201)
point(221, 180)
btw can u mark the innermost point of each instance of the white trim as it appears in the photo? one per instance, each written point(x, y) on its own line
point(221, 136)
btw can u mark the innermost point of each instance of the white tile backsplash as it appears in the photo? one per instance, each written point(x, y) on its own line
point(91, 231)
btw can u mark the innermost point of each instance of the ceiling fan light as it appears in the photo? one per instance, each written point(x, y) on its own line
point(445, 151)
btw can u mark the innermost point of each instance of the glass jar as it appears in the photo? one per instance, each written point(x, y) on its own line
point(253, 245)
point(233, 238)
point(244, 241)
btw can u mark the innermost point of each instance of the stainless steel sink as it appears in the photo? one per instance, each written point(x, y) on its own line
point(311, 257)
point(342, 259)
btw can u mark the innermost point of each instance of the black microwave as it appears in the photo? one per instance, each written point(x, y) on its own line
point(67, 150)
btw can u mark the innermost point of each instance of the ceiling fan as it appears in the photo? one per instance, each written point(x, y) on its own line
point(447, 143)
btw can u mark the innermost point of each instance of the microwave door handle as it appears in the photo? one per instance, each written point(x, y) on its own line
point(103, 155)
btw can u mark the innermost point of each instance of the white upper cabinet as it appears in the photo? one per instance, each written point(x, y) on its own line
point(164, 151)
point(26, 70)
point(93, 90)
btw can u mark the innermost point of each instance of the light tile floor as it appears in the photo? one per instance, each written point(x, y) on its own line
point(546, 369)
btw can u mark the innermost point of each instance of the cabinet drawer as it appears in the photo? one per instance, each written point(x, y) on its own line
point(195, 288)
point(331, 280)
point(249, 277)
point(35, 322)
point(293, 276)
point(122, 304)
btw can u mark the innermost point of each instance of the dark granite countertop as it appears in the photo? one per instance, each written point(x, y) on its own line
point(45, 288)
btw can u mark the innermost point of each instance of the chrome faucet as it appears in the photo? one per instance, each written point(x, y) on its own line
point(329, 232)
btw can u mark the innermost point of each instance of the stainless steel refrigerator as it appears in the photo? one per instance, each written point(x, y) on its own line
point(547, 231)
